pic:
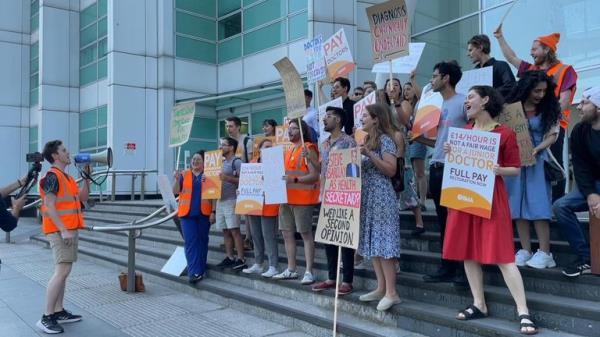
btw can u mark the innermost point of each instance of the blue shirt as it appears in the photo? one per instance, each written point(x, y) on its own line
point(453, 115)
point(196, 194)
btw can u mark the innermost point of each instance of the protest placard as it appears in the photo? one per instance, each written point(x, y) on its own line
point(292, 88)
point(166, 191)
point(250, 198)
point(390, 30)
point(213, 164)
point(514, 117)
point(316, 68)
point(340, 209)
point(274, 184)
point(404, 64)
point(182, 118)
point(337, 103)
point(259, 140)
point(360, 107)
point(468, 182)
point(282, 137)
point(481, 76)
point(337, 55)
point(428, 114)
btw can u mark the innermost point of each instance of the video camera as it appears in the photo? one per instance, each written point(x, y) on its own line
point(36, 159)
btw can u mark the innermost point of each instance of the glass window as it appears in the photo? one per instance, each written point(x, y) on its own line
point(88, 15)
point(297, 5)
point(230, 49)
point(102, 135)
point(88, 139)
point(88, 35)
point(263, 12)
point(102, 8)
point(102, 68)
point(203, 7)
point(33, 81)
point(264, 38)
point(228, 6)
point(195, 50)
point(33, 97)
point(34, 23)
point(102, 115)
point(230, 26)
point(33, 139)
point(447, 43)
point(102, 48)
point(88, 74)
point(195, 26)
point(35, 7)
point(298, 26)
point(204, 128)
point(431, 13)
point(88, 55)
point(34, 51)
point(88, 119)
point(102, 28)
point(249, 2)
point(259, 117)
point(34, 66)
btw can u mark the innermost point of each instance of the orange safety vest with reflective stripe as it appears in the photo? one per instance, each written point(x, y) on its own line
point(558, 72)
point(185, 198)
point(67, 204)
point(268, 210)
point(296, 166)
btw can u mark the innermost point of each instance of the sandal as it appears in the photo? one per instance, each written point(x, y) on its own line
point(471, 312)
point(527, 325)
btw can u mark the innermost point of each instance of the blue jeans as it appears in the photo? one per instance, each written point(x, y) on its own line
point(195, 240)
point(564, 209)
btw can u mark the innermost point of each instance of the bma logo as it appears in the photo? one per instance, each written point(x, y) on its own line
point(465, 198)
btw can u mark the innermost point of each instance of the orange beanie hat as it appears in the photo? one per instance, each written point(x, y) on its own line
point(550, 40)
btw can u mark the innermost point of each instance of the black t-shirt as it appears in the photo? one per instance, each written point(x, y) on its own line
point(348, 105)
point(7, 221)
point(503, 79)
point(585, 149)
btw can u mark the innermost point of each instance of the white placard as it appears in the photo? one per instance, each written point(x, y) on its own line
point(359, 108)
point(166, 192)
point(481, 76)
point(176, 263)
point(405, 64)
point(274, 168)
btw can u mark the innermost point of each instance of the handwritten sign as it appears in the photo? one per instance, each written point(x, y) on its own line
point(292, 87)
point(514, 117)
point(316, 68)
point(340, 210)
point(481, 76)
point(274, 185)
point(428, 114)
point(404, 64)
point(360, 107)
point(337, 55)
point(336, 103)
point(390, 30)
point(250, 198)
point(182, 118)
point(468, 183)
point(213, 164)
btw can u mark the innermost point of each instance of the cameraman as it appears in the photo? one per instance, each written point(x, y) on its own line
point(8, 220)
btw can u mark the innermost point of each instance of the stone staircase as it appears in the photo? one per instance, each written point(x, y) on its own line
point(560, 306)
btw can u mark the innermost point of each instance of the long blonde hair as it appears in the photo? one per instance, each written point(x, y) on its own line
point(383, 126)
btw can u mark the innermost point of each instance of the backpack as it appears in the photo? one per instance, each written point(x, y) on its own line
point(398, 178)
point(235, 172)
point(245, 141)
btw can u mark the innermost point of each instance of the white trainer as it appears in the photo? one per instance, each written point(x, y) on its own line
point(541, 260)
point(255, 269)
point(272, 271)
point(286, 275)
point(308, 278)
point(522, 257)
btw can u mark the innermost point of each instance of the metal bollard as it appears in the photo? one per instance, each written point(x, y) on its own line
point(133, 186)
point(142, 187)
point(131, 262)
point(114, 186)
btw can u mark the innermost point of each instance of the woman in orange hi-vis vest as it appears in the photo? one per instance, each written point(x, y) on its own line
point(264, 230)
point(195, 215)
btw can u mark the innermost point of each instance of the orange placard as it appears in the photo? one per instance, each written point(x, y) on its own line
point(213, 164)
point(338, 56)
point(282, 137)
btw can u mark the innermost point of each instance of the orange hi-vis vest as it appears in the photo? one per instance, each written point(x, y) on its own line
point(268, 210)
point(185, 198)
point(296, 166)
point(67, 204)
point(558, 72)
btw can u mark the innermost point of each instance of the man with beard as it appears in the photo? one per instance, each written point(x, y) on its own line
point(585, 148)
point(543, 52)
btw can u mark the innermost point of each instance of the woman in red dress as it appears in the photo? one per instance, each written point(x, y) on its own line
point(476, 240)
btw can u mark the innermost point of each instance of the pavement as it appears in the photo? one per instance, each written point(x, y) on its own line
point(93, 292)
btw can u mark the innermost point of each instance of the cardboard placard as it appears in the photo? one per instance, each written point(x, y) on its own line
point(250, 198)
point(213, 164)
point(338, 56)
point(182, 118)
point(292, 87)
point(339, 217)
point(514, 117)
point(481, 76)
point(176, 264)
point(337, 103)
point(390, 30)
point(316, 68)
point(274, 184)
point(468, 183)
point(404, 64)
point(256, 144)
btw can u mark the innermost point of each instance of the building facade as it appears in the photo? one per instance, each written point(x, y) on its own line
point(100, 73)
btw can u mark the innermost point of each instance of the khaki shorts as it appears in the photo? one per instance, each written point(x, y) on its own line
point(61, 252)
point(296, 218)
point(225, 217)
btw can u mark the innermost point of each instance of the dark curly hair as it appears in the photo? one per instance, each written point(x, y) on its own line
point(495, 102)
point(548, 107)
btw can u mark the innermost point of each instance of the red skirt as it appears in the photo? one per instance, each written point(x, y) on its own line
point(487, 241)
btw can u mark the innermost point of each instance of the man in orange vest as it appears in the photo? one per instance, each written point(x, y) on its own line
point(302, 171)
point(61, 219)
point(543, 52)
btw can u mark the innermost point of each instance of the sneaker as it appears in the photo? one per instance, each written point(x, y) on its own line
point(49, 325)
point(324, 285)
point(196, 278)
point(226, 263)
point(272, 271)
point(255, 269)
point(308, 278)
point(239, 264)
point(522, 257)
point(364, 264)
point(541, 260)
point(577, 269)
point(286, 275)
point(65, 316)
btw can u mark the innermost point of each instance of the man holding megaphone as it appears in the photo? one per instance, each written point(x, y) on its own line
point(61, 219)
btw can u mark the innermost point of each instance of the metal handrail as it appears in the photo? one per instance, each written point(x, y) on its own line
point(137, 223)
